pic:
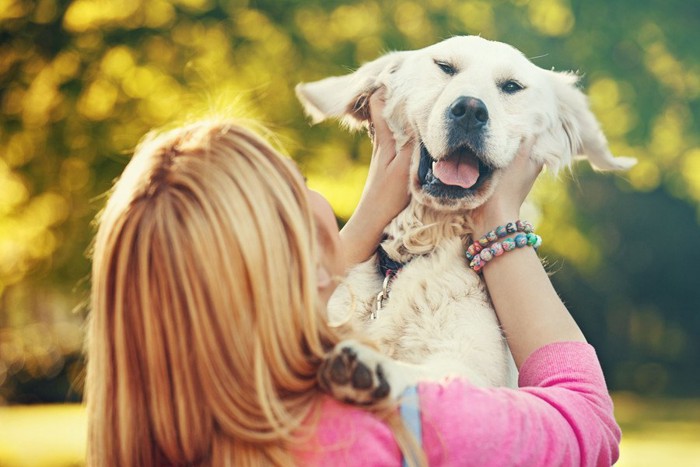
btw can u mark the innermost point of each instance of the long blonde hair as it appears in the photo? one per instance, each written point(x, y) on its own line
point(206, 331)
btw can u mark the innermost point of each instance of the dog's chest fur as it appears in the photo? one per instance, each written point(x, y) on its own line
point(438, 315)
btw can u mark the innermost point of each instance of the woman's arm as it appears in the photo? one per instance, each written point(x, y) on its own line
point(561, 416)
point(385, 193)
point(528, 307)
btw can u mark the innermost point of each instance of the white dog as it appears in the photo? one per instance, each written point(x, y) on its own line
point(471, 103)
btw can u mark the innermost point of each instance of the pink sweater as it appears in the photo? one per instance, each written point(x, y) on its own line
point(561, 415)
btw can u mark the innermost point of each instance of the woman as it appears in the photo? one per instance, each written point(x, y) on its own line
point(212, 267)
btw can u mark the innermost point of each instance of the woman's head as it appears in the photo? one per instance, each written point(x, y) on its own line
point(206, 324)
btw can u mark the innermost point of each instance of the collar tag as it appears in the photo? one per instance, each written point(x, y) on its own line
point(381, 296)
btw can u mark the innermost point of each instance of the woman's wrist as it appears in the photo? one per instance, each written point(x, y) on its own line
point(488, 221)
point(361, 235)
point(499, 240)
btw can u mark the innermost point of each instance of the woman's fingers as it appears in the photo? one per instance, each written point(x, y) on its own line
point(383, 138)
point(376, 108)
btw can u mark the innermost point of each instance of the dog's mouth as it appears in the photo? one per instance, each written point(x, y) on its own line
point(458, 175)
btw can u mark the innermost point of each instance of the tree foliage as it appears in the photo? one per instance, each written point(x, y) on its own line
point(81, 81)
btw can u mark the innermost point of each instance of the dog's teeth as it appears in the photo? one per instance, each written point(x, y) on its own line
point(431, 172)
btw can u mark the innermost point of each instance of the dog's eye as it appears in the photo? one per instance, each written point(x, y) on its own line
point(511, 87)
point(446, 68)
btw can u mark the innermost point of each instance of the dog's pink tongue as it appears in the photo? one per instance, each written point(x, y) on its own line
point(459, 170)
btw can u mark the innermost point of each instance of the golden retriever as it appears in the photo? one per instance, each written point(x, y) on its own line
point(471, 103)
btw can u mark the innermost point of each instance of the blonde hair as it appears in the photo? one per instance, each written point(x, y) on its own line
point(206, 330)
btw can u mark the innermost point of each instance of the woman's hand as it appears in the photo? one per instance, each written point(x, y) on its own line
point(386, 190)
point(513, 187)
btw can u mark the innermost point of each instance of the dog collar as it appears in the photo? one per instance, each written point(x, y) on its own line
point(388, 268)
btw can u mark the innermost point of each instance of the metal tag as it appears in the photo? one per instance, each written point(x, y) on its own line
point(381, 297)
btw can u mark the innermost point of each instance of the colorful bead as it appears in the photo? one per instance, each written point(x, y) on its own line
point(531, 238)
point(528, 227)
point(497, 249)
point(520, 240)
point(501, 231)
point(538, 243)
point(486, 255)
point(483, 241)
point(508, 244)
point(511, 228)
point(476, 262)
point(491, 236)
point(473, 249)
point(519, 225)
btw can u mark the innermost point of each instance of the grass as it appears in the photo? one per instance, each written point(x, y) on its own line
point(657, 432)
point(42, 435)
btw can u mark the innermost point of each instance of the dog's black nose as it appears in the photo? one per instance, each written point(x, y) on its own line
point(469, 112)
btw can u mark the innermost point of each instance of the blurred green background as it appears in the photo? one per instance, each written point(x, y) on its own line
point(81, 81)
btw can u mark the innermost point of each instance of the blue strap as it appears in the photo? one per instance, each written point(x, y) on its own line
point(410, 413)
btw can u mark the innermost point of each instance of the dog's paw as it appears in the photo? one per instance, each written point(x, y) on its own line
point(354, 373)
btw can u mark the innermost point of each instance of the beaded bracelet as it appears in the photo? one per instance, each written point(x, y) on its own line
point(521, 240)
point(499, 232)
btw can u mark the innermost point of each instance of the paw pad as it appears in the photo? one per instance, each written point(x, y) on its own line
point(353, 373)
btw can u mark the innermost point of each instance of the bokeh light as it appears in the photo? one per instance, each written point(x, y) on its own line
point(82, 81)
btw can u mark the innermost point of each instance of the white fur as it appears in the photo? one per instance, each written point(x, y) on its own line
point(438, 314)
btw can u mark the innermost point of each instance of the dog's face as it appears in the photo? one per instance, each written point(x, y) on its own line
point(470, 103)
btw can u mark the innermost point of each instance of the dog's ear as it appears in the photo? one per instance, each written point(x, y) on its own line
point(346, 97)
point(577, 132)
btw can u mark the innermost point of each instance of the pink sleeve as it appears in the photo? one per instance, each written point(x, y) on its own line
point(343, 435)
point(561, 415)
